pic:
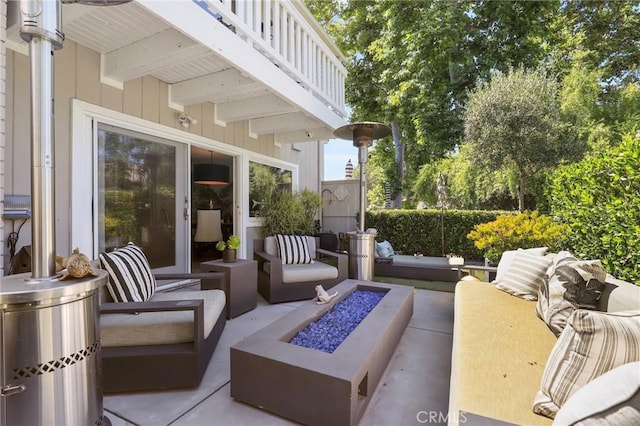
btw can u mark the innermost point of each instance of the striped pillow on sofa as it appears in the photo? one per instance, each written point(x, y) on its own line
point(130, 277)
point(525, 275)
point(591, 344)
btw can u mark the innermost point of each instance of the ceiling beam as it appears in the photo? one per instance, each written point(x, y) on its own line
point(147, 55)
point(212, 87)
point(245, 109)
point(281, 123)
point(308, 135)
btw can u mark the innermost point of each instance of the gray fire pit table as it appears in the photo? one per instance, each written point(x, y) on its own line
point(315, 387)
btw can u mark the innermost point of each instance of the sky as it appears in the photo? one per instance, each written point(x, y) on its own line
point(336, 154)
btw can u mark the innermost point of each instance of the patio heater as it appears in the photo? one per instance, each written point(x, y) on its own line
point(49, 333)
point(361, 243)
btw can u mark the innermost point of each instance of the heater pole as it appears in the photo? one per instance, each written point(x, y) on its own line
point(361, 243)
point(40, 27)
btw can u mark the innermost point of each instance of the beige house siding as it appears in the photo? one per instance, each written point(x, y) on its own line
point(77, 72)
point(3, 61)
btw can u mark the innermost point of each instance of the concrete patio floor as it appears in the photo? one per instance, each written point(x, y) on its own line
point(414, 387)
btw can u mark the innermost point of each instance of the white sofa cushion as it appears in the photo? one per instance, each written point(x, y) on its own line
point(613, 399)
point(157, 328)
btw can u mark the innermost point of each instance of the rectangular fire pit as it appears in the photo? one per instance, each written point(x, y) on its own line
point(315, 387)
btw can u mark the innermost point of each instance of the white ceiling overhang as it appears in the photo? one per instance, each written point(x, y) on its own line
point(184, 44)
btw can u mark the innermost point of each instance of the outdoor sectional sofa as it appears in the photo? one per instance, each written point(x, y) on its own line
point(502, 349)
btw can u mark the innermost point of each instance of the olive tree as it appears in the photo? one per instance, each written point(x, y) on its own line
point(512, 122)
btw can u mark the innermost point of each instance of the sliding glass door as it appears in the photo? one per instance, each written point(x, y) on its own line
point(142, 195)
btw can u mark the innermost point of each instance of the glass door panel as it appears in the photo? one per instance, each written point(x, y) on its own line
point(141, 181)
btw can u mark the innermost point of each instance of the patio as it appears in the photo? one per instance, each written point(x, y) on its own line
point(415, 384)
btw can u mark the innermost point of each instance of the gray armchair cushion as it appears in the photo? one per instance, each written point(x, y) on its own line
point(316, 271)
point(157, 328)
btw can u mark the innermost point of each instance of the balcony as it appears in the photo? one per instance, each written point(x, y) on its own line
point(266, 62)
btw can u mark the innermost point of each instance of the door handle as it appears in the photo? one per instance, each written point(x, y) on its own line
point(12, 390)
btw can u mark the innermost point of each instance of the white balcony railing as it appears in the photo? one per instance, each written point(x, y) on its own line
point(288, 35)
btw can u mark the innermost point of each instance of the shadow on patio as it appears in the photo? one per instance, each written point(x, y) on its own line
point(416, 381)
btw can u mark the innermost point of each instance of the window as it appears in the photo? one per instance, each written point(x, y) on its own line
point(263, 180)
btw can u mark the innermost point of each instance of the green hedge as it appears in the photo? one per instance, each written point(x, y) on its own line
point(599, 199)
point(413, 231)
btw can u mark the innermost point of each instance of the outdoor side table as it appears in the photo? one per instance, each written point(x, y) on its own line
point(240, 283)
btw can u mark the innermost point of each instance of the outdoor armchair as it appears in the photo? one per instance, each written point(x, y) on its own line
point(282, 282)
point(164, 342)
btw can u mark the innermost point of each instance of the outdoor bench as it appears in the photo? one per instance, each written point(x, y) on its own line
point(501, 348)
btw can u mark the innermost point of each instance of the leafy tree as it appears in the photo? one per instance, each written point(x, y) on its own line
point(414, 62)
point(513, 121)
point(469, 184)
point(606, 31)
point(411, 63)
point(328, 14)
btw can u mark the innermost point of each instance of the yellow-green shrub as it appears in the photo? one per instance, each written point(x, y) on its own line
point(510, 232)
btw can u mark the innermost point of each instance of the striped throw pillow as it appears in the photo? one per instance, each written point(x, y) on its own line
point(293, 249)
point(525, 275)
point(130, 277)
point(591, 344)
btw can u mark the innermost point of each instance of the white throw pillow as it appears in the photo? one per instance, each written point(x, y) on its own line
point(507, 258)
point(591, 344)
point(613, 398)
point(525, 275)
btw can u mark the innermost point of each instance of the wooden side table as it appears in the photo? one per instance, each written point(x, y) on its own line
point(240, 283)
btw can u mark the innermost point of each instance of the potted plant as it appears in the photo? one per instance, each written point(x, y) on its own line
point(229, 248)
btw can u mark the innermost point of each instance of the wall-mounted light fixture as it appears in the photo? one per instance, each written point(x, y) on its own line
point(186, 120)
point(210, 173)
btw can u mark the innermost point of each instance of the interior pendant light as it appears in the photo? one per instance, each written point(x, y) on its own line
point(210, 174)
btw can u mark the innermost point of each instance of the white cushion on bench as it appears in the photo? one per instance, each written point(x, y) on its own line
point(157, 328)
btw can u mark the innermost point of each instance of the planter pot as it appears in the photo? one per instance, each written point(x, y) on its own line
point(229, 255)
